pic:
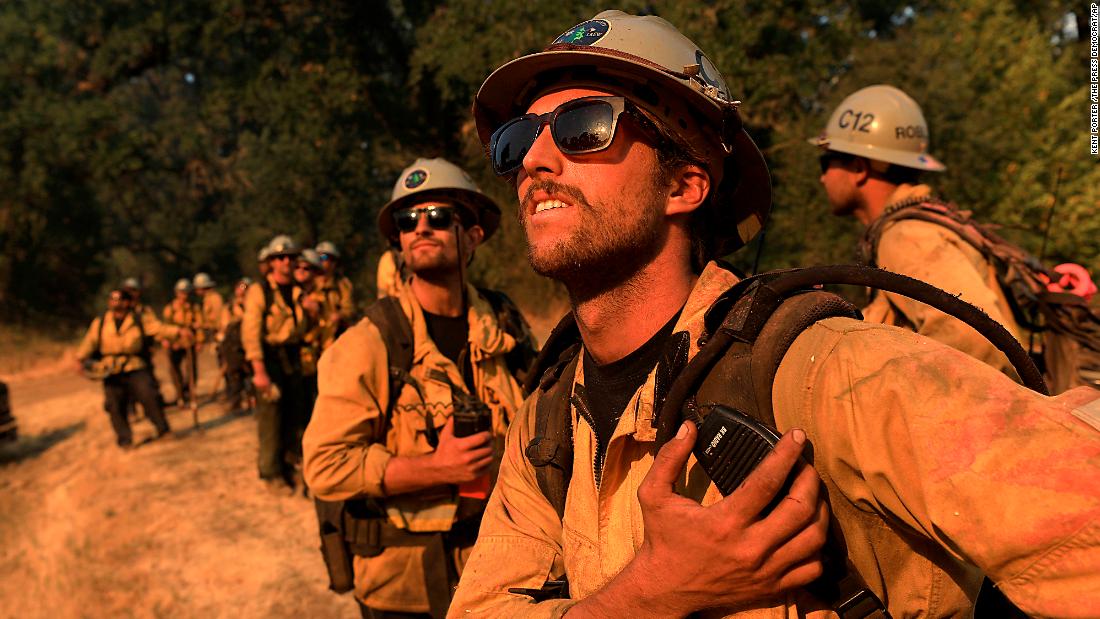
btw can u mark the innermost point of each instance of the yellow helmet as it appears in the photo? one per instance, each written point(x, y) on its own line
point(881, 123)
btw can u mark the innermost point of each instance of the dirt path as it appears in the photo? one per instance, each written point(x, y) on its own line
point(174, 528)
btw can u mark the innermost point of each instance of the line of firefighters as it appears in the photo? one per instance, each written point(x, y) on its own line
point(118, 347)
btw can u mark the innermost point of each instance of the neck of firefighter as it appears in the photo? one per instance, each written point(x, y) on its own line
point(439, 293)
point(874, 192)
point(617, 318)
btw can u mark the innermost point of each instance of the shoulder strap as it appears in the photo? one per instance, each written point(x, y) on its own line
point(269, 299)
point(550, 450)
point(521, 358)
point(99, 335)
point(397, 335)
point(929, 209)
point(140, 322)
point(765, 312)
point(1019, 273)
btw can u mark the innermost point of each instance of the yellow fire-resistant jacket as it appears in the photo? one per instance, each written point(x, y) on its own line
point(933, 462)
point(182, 314)
point(212, 306)
point(390, 279)
point(338, 294)
point(347, 444)
point(232, 313)
point(320, 335)
point(275, 325)
point(934, 254)
point(122, 348)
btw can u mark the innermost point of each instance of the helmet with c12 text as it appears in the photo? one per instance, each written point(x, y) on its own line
point(881, 123)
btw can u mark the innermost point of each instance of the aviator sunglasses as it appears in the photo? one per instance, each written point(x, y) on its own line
point(581, 126)
point(439, 217)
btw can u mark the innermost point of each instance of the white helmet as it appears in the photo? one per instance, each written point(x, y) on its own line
point(311, 257)
point(202, 280)
point(438, 178)
point(881, 123)
point(648, 61)
point(327, 247)
point(183, 285)
point(282, 245)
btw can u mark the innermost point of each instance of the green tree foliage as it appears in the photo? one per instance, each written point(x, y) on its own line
point(160, 138)
point(174, 137)
point(1007, 111)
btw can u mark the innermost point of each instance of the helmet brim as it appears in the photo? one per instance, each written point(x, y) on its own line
point(917, 161)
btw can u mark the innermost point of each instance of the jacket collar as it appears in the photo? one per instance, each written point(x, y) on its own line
point(906, 192)
point(127, 321)
point(295, 291)
point(637, 418)
point(486, 337)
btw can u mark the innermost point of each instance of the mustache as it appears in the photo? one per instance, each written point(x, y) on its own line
point(552, 187)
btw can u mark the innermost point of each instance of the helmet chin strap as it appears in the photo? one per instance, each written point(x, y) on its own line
point(461, 264)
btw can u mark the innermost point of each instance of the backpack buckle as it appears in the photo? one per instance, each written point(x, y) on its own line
point(862, 604)
point(542, 451)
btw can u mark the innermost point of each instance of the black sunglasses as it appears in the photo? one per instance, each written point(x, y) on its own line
point(439, 217)
point(581, 126)
point(828, 158)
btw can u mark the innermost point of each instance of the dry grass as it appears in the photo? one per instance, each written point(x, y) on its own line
point(24, 348)
point(175, 528)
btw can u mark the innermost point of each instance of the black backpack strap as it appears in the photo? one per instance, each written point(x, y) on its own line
point(98, 353)
point(269, 299)
point(550, 450)
point(397, 335)
point(739, 316)
point(521, 358)
point(146, 354)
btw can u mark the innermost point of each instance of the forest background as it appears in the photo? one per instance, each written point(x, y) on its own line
point(157, 139)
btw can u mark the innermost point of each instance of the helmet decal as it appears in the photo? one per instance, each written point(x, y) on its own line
point(707, 70)
point(416, 178)
point(584, 33)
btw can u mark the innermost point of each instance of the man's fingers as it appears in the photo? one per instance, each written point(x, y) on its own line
point(761, 486)
point(474, 440)
point(798, 545)
point(448, 430)
point(668, 465)
point(801, 575)
point(483, 464)
point(482, 453)
point(802, 501)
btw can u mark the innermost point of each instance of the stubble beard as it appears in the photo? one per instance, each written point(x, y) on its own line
point(610, 243)
point(434, 267)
